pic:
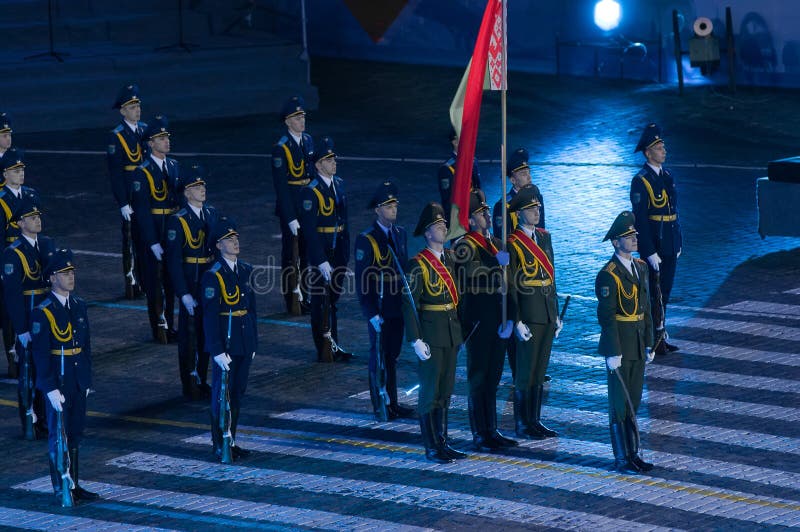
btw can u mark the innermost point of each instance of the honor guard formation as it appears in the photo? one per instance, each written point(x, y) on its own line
point(491, 291)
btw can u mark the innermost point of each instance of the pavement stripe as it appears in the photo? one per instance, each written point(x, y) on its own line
point(689, 347)
point(542, 474)
point(602, 451)
point(420, 497)
point(29, 520)
point(793, 291)
point(765, 307)
point(765, 330)
point(210, 505)
point(661, 371)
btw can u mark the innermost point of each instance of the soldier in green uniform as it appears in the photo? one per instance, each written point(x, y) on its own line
point(626, 339)
point(533, 303)
point(480, 276)
point(433, 327)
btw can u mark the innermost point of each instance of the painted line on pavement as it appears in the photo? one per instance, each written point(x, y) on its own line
point(221, 506)
point(765, 330)
point(420, 497)
point(765, 307)
point(603, 451)
point(30, 520)
point(690, 347)
point(593, 481)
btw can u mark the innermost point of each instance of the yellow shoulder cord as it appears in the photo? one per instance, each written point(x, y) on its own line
point(629, 296)
point(325, 207)
point(34, 274)
point(432, 289)
point(381, 260)
point(134, 156)
point(193, 243)
point(452, 169)
point(295, 171)
point(158, 194)
point(514, 217)
point(662, 199)
point(231, 299)
point(530, 269)
point(62, 336)
point(6, 210)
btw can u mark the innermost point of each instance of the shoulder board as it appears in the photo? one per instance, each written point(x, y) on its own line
point(146, 163)
point(610, 267)
point(182, 212)
point(306, 136)
point(117, 129)
point(244, 264)
point(79, 300)
point(142, 125)
point(282, 141)
point(451, 161)
point(17, 243)
point(642, 173)
point(2, 193)
point(543, 230)
point(45, 303)
point(313, 183)
point(339, 181)
point(29, 190)
point(366, 232)
point(215, 267)
point(210, 208)
point(640, 261)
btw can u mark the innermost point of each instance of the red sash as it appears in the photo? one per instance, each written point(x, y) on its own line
point(481, 241)
point(437, 266)
point(537, 252)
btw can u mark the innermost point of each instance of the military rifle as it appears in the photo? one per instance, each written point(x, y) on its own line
point(28, 392)
point(294, 278)
point(225, 403)
point(384, 398)
point(62, 450)
point(660, 333)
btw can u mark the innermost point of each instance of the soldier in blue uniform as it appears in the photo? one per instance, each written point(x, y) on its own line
point(655, 204)
point(478, 269)
point(188, 256)
point(323, 215)
point(126, 150)
point(12, 167)
point(229, 323)
point(154, 201)
point(24, 288)
point(5, 134)
point(292, 169)
point(519, 173)
point(63, 356)
point(447, 173)
point(626, 339)
point(377, 269)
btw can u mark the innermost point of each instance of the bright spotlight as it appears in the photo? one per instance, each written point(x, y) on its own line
point(607, 14)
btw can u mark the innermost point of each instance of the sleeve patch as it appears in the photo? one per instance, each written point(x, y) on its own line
point(604, 291)
point(307, 204)
point(210, 292)
point(636, 197)
point(36, 327)
point(111, 149)
point(171, 234)
point(445, 184)
point(8, 269)
point(277, 162)
point(137, 186)
point(359, 254)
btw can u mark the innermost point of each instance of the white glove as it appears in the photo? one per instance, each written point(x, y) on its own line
point(502, 258)
point(326, 270)
point(504, 331)
point(421, 349)
point(654, 261)
point(88, 391)
point(376, 321)
point(614, 362)
point(157, 250)
point(294, 226)
point(126, 212)
point(253, 356)
point(223, 361)
point(649, 354)
point(559, 326)
point(189, 302)
point(56, 399)
point(523, 332)
point(679, 253)
point(24, 338)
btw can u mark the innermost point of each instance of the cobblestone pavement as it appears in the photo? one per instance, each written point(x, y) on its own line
point(720, 418)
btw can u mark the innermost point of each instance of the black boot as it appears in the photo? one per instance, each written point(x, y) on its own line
point(55, 477)
point(237, 451)
point(395, 408)
point(481, 438)
point(621, 462)
point(632, 441)
point(490, 404)
point(433, 451)
point(379, 406)
point(441, 420)
point(523, 415)
point(78, 493)
point(538, 399)
point(216, 438)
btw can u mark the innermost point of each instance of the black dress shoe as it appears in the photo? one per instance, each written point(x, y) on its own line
point(626, 466)
point(435, 455)
point(80, 494)
point(661, 348)
point(400, 411)
point(641, 464)
point(671, 348)
point(485, 443)
point(502, 441)
point(547, 433)
point(342, 356)
point(530, 433)
point(547, 378)
point(453, 453)
point(238, 452)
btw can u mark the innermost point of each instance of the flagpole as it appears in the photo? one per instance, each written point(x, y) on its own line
point(503, 159)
